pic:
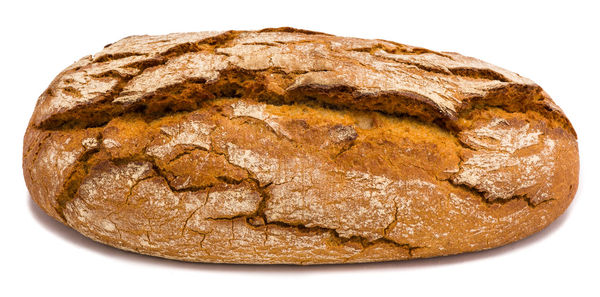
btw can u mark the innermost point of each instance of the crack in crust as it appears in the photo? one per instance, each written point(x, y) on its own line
point(313, 94)
point(292, 67)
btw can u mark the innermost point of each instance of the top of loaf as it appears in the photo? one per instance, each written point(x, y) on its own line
point(177, 71)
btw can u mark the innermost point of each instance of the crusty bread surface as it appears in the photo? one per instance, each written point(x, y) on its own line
point(297, 147)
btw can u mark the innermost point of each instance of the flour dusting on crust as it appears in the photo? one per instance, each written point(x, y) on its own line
point(511, 159)
point(191, 132)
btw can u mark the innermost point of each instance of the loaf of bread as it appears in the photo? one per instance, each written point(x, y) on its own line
point(291, 146)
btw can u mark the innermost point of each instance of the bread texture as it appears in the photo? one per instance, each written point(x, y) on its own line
point(292, 146)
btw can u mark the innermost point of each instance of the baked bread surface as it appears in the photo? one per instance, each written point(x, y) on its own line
point(291, 146)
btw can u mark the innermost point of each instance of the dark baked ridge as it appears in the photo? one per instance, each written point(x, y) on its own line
point(479, 111)
point(282, 66)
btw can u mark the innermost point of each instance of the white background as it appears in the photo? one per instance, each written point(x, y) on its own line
point(554, 43)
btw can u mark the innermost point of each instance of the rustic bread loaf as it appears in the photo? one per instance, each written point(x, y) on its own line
point(291, 146)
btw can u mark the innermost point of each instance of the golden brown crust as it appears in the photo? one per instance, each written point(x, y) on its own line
point(291, 146)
